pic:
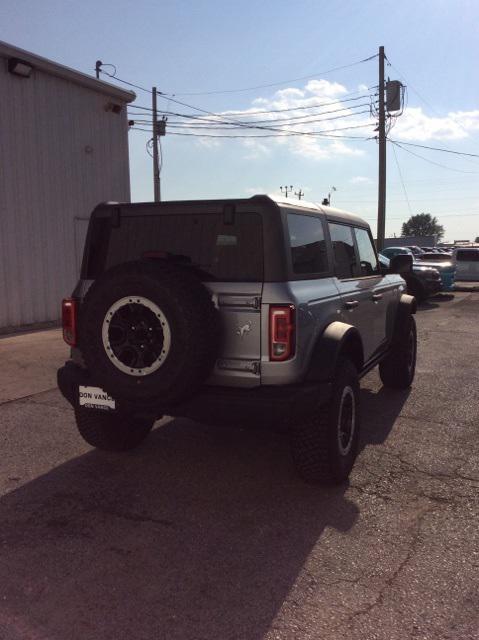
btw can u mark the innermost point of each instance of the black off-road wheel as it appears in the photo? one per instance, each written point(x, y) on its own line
point(149, 331)
point(111, 432)
point(397, 370)
point(325, 446)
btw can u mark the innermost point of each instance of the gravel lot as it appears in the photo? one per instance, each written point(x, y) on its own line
point(204, 533)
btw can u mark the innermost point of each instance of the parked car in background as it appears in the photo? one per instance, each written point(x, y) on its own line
point(422, 282)
point(444, 264)
point(467, 263)
point(417, 251)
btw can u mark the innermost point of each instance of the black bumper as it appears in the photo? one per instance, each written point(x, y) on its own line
point(266, 406)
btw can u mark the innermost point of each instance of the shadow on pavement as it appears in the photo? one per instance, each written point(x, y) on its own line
point(379, 412)
point(201, 533)
point(435, 301)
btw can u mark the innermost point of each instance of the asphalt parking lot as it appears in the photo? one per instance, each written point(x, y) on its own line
point(207, 534)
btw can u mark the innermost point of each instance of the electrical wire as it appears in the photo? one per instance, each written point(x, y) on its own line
point(423, 146)
point(437, 164)
point(283, 132)
point(277, 84)
point(275, 135)
point(212, 124)
point(402, 182)
point(265, 112)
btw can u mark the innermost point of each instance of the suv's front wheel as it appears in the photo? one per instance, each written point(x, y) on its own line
point(111, 432)
point(325, 447)
point(398, 368)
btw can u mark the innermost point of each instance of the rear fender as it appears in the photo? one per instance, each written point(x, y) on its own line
point(338, 340)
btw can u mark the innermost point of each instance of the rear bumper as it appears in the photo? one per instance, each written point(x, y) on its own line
point(266, 406)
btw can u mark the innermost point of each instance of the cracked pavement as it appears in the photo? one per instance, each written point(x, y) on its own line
point(205, 533)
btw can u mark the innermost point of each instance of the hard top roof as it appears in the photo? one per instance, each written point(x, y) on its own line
point(330, 212)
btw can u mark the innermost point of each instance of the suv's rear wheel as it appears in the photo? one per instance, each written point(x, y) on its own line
point(111, 432)
point(325, 447)
point(397, 370)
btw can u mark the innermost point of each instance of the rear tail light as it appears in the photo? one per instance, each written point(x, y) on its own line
point(69, 321)
point(281, 332)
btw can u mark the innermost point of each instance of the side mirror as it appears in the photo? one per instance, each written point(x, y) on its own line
point(402, 263)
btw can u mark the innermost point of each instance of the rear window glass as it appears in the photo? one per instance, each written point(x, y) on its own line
point(467, 256)
point(345, 264)
point(308, 246)
point(367, 256)
point(222, 251)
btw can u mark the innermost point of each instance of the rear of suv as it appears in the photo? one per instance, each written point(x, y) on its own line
point(255, 312)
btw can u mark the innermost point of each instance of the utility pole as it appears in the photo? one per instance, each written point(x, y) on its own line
point(286, 190)
point(382, 156)
point(156, 166)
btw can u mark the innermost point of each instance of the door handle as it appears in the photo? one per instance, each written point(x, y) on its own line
point(351, 304)
point(377, 297)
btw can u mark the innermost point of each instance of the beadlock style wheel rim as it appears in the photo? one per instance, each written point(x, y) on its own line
point(136, 336)
point(346, 421)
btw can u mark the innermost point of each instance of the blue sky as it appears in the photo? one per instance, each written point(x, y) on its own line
point(199, 47)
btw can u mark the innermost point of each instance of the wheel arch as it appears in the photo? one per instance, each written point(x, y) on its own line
point(339, 339)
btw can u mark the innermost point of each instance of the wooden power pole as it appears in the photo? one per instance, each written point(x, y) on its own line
point(382, 156)
point(156, 165)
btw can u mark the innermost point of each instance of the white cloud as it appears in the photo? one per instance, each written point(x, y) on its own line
point(416, 125)
point(318, 122)
point(361, 180)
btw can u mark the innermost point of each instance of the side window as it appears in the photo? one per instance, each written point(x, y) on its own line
point(308, 246)
point(345, 265)
point(367, 256)
point(467, 256)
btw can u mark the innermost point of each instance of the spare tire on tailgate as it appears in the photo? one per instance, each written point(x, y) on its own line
point(149, 330)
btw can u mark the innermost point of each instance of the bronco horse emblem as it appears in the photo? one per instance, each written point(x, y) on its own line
point(246, 328)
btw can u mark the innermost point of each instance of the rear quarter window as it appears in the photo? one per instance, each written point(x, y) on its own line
point(308, 245)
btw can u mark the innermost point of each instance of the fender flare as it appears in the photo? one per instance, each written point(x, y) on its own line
point(336, 339)
point(407, 306)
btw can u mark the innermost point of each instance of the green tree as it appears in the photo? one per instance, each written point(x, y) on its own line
point(422, 224)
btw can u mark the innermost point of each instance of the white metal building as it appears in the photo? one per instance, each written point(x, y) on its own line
point(63, 149)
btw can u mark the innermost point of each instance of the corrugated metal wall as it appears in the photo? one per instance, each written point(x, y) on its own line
point(61, 154)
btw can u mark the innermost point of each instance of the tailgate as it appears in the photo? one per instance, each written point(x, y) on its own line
point(239, 305)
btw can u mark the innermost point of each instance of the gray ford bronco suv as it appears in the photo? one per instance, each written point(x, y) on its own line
point(256, 312)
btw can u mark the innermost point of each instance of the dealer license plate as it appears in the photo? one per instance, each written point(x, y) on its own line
point(95, 398)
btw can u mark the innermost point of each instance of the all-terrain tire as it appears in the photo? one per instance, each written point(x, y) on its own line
point(111, 432)
point(322, 451)
point(397, 370)
point(185, 345)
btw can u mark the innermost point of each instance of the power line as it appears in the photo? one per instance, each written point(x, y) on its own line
point(423, 146)
point(402, 181)
point(204, 120)
point(271, 135)
point(437, 164)
point(280, 132)
point(265, 112)
point(277, 84)
point(216, 124)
